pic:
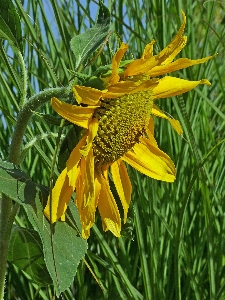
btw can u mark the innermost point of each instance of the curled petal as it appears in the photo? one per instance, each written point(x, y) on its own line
point(92, 132)
point(123, 185)
point(89, 179)
point(87, 214)
point(87, 95)
point(168, 54)
point(174, 123)
point(59, 198)
point(108, 209)
point(114, 78)
point(148, 62)
point(72, 162)
point(78, 115)
point(148, 51)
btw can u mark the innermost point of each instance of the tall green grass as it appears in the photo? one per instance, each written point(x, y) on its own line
point(174, 244)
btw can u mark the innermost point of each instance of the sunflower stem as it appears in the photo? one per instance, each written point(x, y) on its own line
point(24, 116)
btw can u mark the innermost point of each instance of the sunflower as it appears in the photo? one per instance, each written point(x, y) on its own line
point(118, 129)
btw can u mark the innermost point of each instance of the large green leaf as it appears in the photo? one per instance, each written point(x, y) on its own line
point(63, 247)
point(26, 252)
point(10, 26)
point(85, 44)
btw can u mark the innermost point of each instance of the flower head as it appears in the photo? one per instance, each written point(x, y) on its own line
point(118, 129)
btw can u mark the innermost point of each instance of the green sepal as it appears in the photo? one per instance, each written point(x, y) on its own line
point(106, 71)
point(95, 82)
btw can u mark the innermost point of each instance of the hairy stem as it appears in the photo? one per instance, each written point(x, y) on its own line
point(24, 117)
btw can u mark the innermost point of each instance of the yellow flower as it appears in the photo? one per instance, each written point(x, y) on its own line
point(118, 128)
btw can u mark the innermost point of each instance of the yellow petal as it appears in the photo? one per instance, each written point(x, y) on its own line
point(140, 66)
point(150, 127)
point(150, 132)
point(157, 112)
point(168, 54)
point(72, 162)
point(78, 115)
point(174, 123)
point(180, 63)
point(114, 78)
point(122, 183)
point(146, 85)
point(108, 209)
point(128, 87)
point(148, 62)
point(120, 88)
point(61, 194)
point(87, 95)
point(151, 161)
point(85, 233)
point(93, 129)
point(87, 214)
point(80, 185)
point(92, 132)
point(148, 51)
point(89, 179)
point(87, 152)
point(171, 86)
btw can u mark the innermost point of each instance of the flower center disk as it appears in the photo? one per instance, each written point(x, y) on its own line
point(122, 121)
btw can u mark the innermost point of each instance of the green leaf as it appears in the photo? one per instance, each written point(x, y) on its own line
point(10, 25)
point(16, 184)
point(62, 245)
point(25, 252)
point(85, 44)
point(103, 15)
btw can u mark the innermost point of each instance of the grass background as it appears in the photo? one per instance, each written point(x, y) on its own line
point(173, 246)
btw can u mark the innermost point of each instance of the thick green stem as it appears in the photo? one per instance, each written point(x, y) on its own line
point(5, 210)
point(8, 209)
point(7, 215)
point(24, 117)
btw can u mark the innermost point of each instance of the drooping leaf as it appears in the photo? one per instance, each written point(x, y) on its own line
point(85, 44)
point(10, 26)
point(26, 252)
